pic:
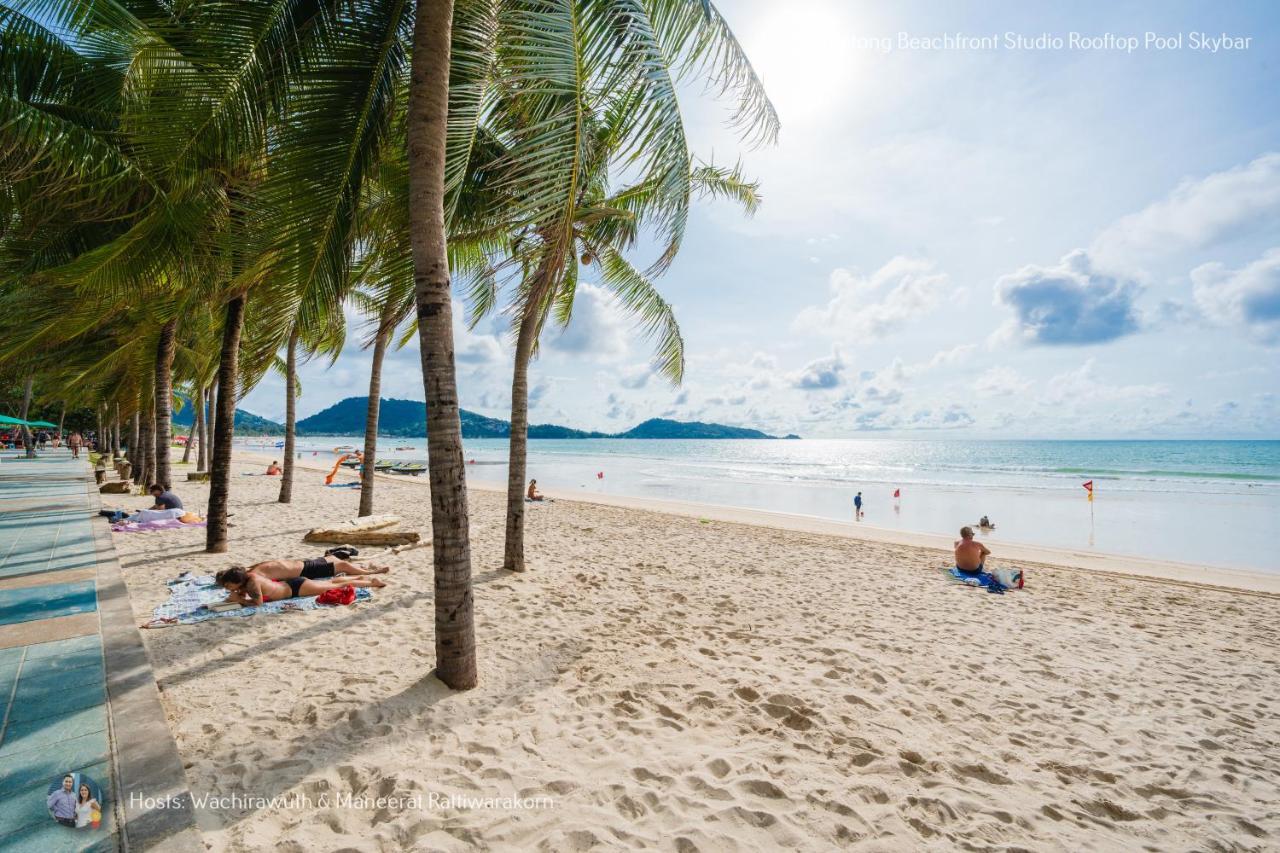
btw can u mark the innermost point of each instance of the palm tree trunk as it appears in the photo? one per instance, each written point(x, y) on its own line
point(135, 443)
point(290, 416)
point(27, 442)
point(150, 448)
point(164, 400)
point(147, 450)
point(202, 413)
point(428, 112)
point(224, 427)
point(191, 434)
point(513, 552)
point(115, 433)
point(62, 418)
point(371, 415)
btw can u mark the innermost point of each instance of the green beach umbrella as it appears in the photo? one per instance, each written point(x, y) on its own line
point(42, 424)
point(8, 421)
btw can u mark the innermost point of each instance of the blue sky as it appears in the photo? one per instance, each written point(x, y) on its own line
point(1011, 242)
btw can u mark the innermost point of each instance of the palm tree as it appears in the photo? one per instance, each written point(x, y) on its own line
point(427, 129)
point(290, 417)
point(165, 349)
point(590, 110)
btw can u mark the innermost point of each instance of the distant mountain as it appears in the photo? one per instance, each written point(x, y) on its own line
point(663, 428)
point(246, 422)
point(408, 419)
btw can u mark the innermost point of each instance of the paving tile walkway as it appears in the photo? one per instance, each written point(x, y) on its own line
point(69, 672)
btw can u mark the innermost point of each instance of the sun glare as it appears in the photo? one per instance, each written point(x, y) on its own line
point(803, 54)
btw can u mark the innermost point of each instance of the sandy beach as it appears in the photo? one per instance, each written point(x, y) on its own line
point(687, 681)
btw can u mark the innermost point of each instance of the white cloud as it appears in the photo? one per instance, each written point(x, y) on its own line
point(1001, 382)
point(1247, 298)
point(868, 307)
point(1082, 387)
point(821, 373)
point(1198, 213)
point(599, 328)
point(471, 348)
point(636, 376)
point(1069, 303)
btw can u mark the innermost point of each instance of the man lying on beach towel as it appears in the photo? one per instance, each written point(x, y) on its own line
point(251, 589)
point(315, 569)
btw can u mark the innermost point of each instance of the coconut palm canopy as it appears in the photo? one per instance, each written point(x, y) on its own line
point(188, 188)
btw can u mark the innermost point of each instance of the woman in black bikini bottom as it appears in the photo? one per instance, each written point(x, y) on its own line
point(247, 587)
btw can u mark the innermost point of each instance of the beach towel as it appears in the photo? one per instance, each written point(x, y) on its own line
point(149, 526)
point(145, 515)
point(188, 593)
point(982, 579)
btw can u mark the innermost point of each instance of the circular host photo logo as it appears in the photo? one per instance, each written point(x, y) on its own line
point(75, 800)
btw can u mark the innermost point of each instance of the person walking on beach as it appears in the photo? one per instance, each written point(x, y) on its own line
point(857, 505)
point(74, 441)
point(971, 556)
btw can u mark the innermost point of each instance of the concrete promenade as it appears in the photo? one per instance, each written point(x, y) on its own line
point(77, 695)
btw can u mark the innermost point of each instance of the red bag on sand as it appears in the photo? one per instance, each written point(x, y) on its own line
point(337, 595)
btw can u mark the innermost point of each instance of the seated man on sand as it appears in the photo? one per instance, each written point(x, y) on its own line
point(250, 588)
point(316, 569)
point(167, 505)
point(273, 469)
point(971, 556)
point(533, 494)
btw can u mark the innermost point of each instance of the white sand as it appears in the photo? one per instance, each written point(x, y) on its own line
point(673, 683)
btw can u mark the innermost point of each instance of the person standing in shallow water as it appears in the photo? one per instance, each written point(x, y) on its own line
point(857, 505)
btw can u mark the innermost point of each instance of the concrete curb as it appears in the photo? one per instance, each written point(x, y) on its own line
point(153, 801)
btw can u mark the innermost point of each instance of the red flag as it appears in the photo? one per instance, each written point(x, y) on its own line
point(1088, 487)
point(897, 493)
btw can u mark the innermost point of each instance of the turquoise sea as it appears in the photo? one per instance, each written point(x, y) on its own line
point(1209, 502)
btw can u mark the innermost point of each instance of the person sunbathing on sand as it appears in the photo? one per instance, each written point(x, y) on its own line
point(971, 556)
point(249, 588)
point(533, 493)
point(315, 569)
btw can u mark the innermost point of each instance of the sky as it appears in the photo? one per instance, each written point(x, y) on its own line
point(975, 224)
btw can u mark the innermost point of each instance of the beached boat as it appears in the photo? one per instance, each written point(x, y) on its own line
point(401, 449)
point(414, 468)
point(383, 465)
point(350, 463)
point(345, 448)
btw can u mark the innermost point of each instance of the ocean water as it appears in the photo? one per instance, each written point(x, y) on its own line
point(1206, 502)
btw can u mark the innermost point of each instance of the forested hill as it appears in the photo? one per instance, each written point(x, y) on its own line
point(247, 423)
point(408, 418)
